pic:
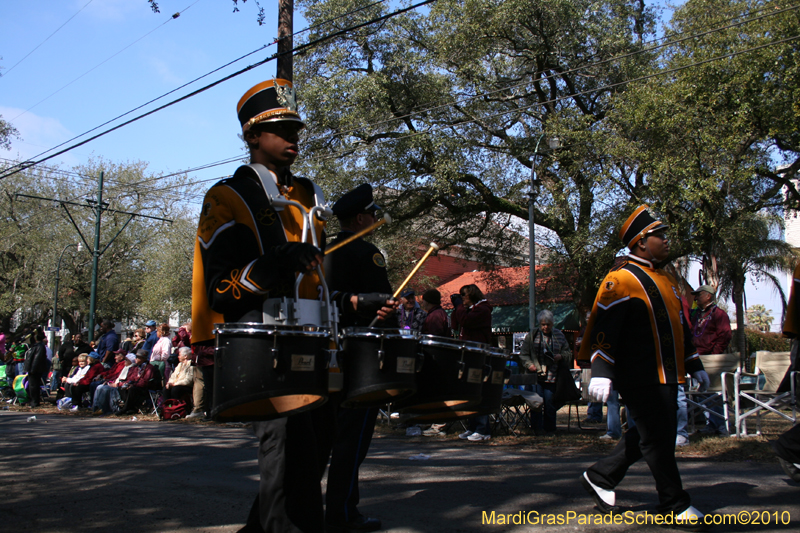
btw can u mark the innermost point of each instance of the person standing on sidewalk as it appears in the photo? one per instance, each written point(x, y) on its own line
point(543, 352)
point(472, 321)
point(639, 344)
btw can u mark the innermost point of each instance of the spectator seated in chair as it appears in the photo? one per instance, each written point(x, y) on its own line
point(107, 392)
point(141, 378)
point(77, 373)
point(181, 381)
point(109, 375)
point(84, 384)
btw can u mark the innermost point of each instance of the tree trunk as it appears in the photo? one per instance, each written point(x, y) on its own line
point(741, 338)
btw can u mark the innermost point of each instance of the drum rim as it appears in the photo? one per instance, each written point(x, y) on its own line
point(447, 342)
point(377, 333)
point(267, 329)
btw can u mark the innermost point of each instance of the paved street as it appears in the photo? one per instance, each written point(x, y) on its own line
point(72, 474)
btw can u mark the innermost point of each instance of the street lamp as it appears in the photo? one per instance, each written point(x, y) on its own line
point(553, 143)
point(55, 297)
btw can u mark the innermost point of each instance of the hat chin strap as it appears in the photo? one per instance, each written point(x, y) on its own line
point(285, 177)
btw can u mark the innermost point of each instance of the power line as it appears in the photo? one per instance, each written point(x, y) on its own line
point(310, 44)
point(197, 79)
point(562, 73)
point(172, 17)
point(346, 30)
point(46, 39)
point(55, 169)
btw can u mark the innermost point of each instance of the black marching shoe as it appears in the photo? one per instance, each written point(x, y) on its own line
point(361, 523)
point(790, 469)
point(689, 520)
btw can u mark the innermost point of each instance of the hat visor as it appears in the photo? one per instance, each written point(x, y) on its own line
point(292, 117)
point(660, 227)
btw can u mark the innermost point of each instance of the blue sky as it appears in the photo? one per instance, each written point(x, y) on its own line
point(201, 130)
point(154, 54)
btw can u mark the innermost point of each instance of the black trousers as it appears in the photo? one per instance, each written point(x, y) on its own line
point(77, 394)
point(177, 392)
point(354, 429)
point(132, 398)
point(654, 409)
point(292, 454)
point(788, 445)
point(208, 387)
point(35, 389)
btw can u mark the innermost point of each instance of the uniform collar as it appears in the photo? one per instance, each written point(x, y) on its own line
point(641, 260)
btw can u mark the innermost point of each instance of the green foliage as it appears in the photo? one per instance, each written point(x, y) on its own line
point(147, 260)
point(7, 132)
point(759, 317)
point(443, 109)
point(772, 342)
point(709, 135)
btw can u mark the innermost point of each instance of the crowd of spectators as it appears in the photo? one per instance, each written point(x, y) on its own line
point(106, 375)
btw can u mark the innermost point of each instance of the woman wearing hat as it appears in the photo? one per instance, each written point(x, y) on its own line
point(141, 378)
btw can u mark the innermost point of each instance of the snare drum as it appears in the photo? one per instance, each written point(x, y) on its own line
point(495, 376)
point(494, 381)
point(263, 372)
point(451, 376)
point(379, 365)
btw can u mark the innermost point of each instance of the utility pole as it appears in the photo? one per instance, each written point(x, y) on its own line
point(285, 40)
point(96, 255)
point(98, 207)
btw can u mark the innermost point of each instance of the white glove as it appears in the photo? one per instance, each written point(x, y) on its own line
point(701, 376)
point(600, 388)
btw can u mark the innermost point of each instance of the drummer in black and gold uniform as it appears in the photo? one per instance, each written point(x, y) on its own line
point(245, 252)
point(639, 344)
point(357, 267)
point(787, 447)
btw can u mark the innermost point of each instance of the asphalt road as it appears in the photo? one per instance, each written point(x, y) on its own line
point(72, 474)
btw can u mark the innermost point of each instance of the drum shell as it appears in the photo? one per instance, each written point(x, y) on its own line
point(495, 378)
point(379, 366)
point(493, 384)
point(451, 376)
point(253, 382)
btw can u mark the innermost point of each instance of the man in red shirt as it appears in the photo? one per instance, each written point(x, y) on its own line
point(711, 334)
point(711, 327)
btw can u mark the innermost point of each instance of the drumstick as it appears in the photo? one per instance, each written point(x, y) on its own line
point(386, 219)
point(432, 249)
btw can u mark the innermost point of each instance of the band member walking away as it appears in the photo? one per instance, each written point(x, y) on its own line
point(639, 344)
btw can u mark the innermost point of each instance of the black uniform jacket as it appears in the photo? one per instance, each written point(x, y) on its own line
point(356, 268)
point(235, 264)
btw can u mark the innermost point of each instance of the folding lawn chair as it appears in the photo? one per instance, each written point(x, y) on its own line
point(711, 401)
point(761, 396)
